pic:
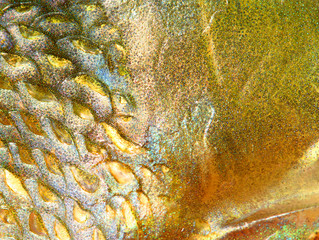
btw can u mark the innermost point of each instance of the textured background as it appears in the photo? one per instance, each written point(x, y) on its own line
point(222, 96)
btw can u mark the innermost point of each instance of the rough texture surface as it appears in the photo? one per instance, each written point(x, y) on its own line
point(157, 119)
point(72, 129)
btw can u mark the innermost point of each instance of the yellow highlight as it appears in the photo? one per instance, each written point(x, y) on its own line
point(61, 231)
point(85, 47)
point(58, 62)
point(126, 118)
point(120, 142)
point(147, 173)
point(61, 133)
point(32, 123)
point(311, 155)
point(36, 225)
point(82, 112)
point(95, 148)
point(46, 194)
point(121, 173)
point(165, 169)
point(4, 118)
point(97, 235)
point(110, 211)
point(143, 199)
point(15, 184)
point(52, 163)
point(13, 60)
point(91, 7)
point(79, 214)
point(91, 83)
point(87, 181)
point(40, 93)
point(25, 154)
point(30, 33)
point(23, 8)
point(56, 19)
point(5, 83)
point(6, 216)
point(120, 48)
point(145, 207)
point(129, 217)
point(112, 30)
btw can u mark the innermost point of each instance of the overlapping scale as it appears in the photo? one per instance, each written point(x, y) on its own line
point(57, 25)
point(63, 115)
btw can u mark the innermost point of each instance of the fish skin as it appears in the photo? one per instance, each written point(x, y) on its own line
point(175, 94)
point(245, 157)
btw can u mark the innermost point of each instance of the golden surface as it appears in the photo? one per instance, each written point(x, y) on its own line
point(14, 183)
point(226, 106)
point(79, 214)
point(61, 231)
point(120, 142)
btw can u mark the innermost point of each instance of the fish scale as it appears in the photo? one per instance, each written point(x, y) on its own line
point(67, 172)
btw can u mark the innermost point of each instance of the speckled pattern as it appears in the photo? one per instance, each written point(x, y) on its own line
point(159, 119)
point(66, 170)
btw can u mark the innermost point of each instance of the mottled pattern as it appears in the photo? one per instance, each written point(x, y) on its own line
point(67, 172)
point(159, 119)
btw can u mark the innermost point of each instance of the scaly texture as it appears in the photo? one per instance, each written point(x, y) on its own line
point(72, 165)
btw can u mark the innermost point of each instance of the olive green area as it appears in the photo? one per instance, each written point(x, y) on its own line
point(256, 63)
point(265, 56)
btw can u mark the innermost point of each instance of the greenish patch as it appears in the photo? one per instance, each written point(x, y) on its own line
point(291, 232)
